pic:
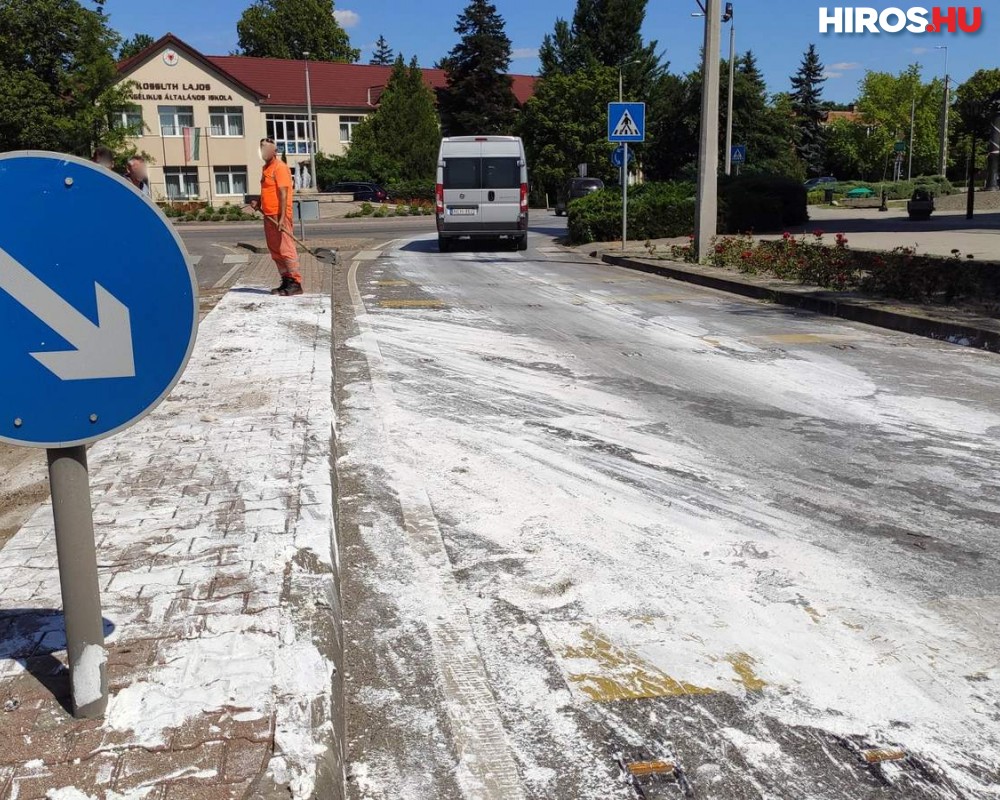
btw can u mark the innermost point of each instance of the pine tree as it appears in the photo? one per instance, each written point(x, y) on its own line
point(399, 141)
point(807, 93)
point(382, 55)
point(608, 33)
point(478, 97)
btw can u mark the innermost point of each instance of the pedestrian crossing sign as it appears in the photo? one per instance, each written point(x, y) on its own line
point(626, 122)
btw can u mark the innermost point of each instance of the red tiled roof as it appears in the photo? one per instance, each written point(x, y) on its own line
point(281, 82)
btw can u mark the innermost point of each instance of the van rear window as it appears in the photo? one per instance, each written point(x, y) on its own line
point(462, 173)
point(482, 173)
point(501, 173)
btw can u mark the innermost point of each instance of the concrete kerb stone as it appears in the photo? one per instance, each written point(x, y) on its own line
point(972, 334)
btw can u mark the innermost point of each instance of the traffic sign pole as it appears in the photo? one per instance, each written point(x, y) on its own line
point(625, 198)
point(81, 594)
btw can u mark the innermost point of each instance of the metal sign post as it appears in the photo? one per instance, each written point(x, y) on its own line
point(626, 123)
point(94, 339)
point(81, 593)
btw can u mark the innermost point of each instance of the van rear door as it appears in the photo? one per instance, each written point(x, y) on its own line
point(462, 181)
point(501, 203)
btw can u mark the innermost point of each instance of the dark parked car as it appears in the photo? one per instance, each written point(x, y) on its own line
point(362, 191)
point(574, 188)
point(819, 183)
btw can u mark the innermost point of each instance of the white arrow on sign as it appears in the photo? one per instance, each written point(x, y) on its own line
point(103, 350)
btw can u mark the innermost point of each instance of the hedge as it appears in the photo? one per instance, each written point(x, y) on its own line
point(763, 204)
point(655, 211)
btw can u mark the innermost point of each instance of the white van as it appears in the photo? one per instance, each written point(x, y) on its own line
point(482, 190)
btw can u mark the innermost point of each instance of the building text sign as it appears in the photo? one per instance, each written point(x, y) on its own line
point(179, 91)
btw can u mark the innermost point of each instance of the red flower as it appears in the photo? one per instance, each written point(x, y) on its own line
point(819, 234)
point(786, 236)
point(746, 255)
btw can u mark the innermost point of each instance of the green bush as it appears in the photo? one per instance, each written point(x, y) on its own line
point(656, 211)
point(816, 197)
point(763, 203)
point(381, 211)
point(901, 190)
point(409, 191)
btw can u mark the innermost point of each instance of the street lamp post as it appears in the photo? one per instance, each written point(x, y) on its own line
point(943, 167)
point(706, 219)
point(730, 17)
point(913, 126)
point(311, 127)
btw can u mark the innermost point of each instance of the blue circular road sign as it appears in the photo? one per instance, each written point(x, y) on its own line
point(98, 298)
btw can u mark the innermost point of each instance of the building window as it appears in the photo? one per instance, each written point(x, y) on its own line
point(182, 183)
point(226, 120)
point(290, 133)
point(347, 127)
point(173, 119)
point(230, 180)
point(130, 118)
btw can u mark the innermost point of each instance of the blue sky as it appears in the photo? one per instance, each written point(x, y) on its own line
point(778, 31)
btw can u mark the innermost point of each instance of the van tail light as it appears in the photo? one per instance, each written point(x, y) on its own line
point(439, 198)
point(524, 198)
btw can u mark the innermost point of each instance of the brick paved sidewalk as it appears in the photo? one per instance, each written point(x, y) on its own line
point(215, 547)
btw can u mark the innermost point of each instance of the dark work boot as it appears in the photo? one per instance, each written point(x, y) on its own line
point(285, 280)
point(291, 289)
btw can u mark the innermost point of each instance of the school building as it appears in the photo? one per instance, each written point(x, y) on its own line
point(200, 118)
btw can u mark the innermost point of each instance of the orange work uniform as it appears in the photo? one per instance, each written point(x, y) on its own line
point(276, 176)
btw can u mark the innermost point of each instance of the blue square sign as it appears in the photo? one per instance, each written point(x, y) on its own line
point(626, 122)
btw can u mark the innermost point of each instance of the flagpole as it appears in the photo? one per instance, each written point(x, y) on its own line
point(208, 165)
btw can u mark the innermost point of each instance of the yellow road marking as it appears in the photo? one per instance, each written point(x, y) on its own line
point(392, 283)
point(743, 666)
point(881, 755)
point(646, 769)
point(808, 338)
point(411, 304)
point(622, 675)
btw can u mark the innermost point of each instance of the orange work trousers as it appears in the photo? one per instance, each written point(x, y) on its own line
point(282, 249)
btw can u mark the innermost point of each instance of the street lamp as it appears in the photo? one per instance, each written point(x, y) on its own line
point(730, 17)
point(944, 112)
point(310, 127)
point(706, 218)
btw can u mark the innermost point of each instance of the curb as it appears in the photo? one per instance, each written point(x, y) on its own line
point(253, 248)
point(825, 303)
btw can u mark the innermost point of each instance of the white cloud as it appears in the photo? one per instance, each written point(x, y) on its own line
point(524, 52)
point(833, 74)
point(346, 17)
point(846, 65)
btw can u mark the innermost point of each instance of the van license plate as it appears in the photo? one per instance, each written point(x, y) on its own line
point(457, 211)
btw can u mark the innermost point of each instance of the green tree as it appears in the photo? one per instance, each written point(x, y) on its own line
point(886, 102)
point(807, 104)
point(399, 141)
point(607, 32)
point(478, 97)
point(290, 28)
point(765, 127)
point(382, 55)
point(977, 107)
point(564, 124)
point(58, 67)
point(134, 46)
point(852, 151)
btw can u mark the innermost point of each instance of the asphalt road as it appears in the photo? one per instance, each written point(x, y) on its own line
point(217, 258)
point(589, 514)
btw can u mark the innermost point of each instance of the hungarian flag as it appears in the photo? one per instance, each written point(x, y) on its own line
point(192, 144)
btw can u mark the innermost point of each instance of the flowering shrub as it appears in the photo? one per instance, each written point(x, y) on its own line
point(901, 273)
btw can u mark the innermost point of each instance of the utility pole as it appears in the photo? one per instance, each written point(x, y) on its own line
point(943, 167)
point(310, 127)
point(913, 124)
point(730, 17)
point(706, 219)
